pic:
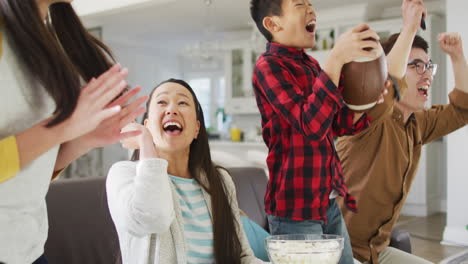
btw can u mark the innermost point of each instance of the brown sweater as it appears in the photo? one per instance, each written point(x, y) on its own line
point(380, 163)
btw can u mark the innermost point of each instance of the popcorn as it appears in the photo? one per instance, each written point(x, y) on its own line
point(304, 251)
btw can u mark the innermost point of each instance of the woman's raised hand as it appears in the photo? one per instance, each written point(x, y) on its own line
point(94, 98)
point(143, 141)
point(110, 131)
point(132, 142)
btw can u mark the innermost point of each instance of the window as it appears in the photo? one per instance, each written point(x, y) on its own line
point(210, 91)
point(202, 89)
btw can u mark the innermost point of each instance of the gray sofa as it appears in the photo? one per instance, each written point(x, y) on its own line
point(81, 229)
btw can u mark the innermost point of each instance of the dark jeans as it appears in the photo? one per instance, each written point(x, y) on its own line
point(335, 226)
point(41, 260)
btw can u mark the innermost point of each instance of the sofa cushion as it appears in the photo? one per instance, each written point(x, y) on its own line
point(251, 186)
point(80, 227)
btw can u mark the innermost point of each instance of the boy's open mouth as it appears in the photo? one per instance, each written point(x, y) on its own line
point(311, 27)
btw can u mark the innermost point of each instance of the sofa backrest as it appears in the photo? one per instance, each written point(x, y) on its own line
point(80, 227)
point(251, 183)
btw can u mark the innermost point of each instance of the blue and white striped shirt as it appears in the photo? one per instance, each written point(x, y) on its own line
point(198, 227)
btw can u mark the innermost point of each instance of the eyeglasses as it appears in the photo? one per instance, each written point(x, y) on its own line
point(421, 67)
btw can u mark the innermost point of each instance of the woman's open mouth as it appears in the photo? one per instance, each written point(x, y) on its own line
point(172, 128)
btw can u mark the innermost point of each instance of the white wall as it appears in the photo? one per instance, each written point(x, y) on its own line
point(457, 144)
point(88, 7)
point(147, 66)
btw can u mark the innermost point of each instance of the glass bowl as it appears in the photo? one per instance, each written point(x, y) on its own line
point(304, 249)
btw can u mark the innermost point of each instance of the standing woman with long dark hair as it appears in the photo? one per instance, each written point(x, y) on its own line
point(48, 118)
point(171, 204)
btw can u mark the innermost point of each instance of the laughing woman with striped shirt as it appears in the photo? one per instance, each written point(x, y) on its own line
point(171, 204)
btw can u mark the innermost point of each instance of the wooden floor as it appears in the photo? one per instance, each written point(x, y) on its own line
point(426, 235)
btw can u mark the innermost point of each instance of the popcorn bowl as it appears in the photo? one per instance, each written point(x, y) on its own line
point(304, 249)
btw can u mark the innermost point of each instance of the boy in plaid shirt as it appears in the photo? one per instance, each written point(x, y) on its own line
point(302, 111)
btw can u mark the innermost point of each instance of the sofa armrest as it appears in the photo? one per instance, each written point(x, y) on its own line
point(400, 240)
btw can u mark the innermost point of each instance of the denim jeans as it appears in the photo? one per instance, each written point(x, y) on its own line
point(41, 260)
point(335, 226)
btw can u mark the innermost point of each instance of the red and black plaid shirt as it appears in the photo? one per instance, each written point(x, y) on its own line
point(302, 111)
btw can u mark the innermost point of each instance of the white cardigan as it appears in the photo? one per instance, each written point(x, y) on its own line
point(143, 202)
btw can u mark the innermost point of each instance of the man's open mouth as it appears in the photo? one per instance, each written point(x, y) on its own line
point(423, 90)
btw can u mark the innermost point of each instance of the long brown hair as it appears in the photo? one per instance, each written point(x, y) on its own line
point(56, 53)
point(227, 247)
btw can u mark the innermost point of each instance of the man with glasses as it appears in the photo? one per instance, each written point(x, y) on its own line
point(421, 66)
point(380, 163)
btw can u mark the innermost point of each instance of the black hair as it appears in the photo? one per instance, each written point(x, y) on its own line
point(259, 9)
point(418, 42)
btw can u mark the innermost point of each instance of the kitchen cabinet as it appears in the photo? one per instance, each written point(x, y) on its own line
point(239, 65)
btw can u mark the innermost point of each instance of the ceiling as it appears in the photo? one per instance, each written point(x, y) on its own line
point(163, 23)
